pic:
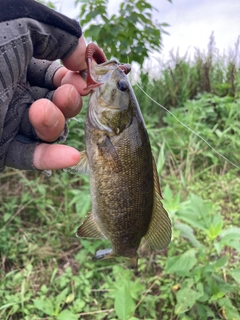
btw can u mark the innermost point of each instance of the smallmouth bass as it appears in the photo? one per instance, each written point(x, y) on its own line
point(124, 184)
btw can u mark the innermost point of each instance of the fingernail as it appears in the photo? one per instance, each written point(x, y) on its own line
point(51, 115)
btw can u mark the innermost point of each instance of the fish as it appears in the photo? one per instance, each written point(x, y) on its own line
point(124, 183)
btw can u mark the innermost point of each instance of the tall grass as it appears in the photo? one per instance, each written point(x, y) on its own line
point(182, 78)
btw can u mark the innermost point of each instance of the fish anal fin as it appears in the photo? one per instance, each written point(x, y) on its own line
point(160, 230)
point(81, 167)
point(90, 229)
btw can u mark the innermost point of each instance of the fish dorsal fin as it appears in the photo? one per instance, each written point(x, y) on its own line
point(90, 229)
point(159, 232)
point(81, 167)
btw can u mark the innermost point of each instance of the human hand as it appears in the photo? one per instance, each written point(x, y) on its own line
point(48, 117)
point(32, 114)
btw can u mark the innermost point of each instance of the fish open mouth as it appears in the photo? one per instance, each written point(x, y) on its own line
point(94, 52)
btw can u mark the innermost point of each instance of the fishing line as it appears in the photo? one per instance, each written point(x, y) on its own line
point(189, 129)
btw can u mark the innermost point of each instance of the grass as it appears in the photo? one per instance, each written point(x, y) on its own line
point(47, 273)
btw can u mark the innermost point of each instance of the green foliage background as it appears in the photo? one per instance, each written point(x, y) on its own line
point(47, 273)
point(131, 33)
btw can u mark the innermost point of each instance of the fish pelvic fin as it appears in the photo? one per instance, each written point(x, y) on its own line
point(82, 167)
point(90, 229)
point(160, 230)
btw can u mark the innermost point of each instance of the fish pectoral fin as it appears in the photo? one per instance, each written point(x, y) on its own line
point(109, 153)
point(82, 167)
point(160, 231)
point(90, 229)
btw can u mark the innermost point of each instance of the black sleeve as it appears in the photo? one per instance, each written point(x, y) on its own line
point(16, 9)
point(28, 30)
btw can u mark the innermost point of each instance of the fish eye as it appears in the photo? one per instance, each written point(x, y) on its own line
point(122, 85)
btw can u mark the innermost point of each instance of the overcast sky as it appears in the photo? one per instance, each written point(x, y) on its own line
point(191, 22)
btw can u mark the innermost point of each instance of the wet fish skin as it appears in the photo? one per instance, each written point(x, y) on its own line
point(124, 186)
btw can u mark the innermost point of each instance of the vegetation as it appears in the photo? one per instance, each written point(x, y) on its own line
point(47, 273)
point(134, 32)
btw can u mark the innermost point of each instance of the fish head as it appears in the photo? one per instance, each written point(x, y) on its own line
point(110, 106)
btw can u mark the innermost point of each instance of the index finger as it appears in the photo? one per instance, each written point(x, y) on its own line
point(76, 61)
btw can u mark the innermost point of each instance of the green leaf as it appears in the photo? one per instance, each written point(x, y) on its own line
point(171, 202)
point(124, 304)
point(5, 306)
point(188, 233)
point(78, 305)
point(200, 214)
point(230, 234)
point(182, 264)
point(214, 230)
point(236, 275)
point(228, 309)
point(45, 306)
point(221, 262)
point(217, 296)
point(130, 27)
point(67, 315)
point(186, 297)
point(60, 298)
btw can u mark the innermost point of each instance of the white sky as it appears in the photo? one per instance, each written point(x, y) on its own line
point(191, 22)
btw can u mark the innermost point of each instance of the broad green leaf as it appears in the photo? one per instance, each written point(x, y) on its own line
point(217, 296)
point(78, 305)
point(236, 275)
point(221, 262)
point(60, 298)
point(67, 315)
point(204, 311)
point(187, 232)
point(171, 202)
point(200, 215)
point(131, 25)
point(124, 304)
point(182, 264)
point(45, 306)
point(229, 311)
point(230, 234)
point(186, 297)
point(235, 245)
